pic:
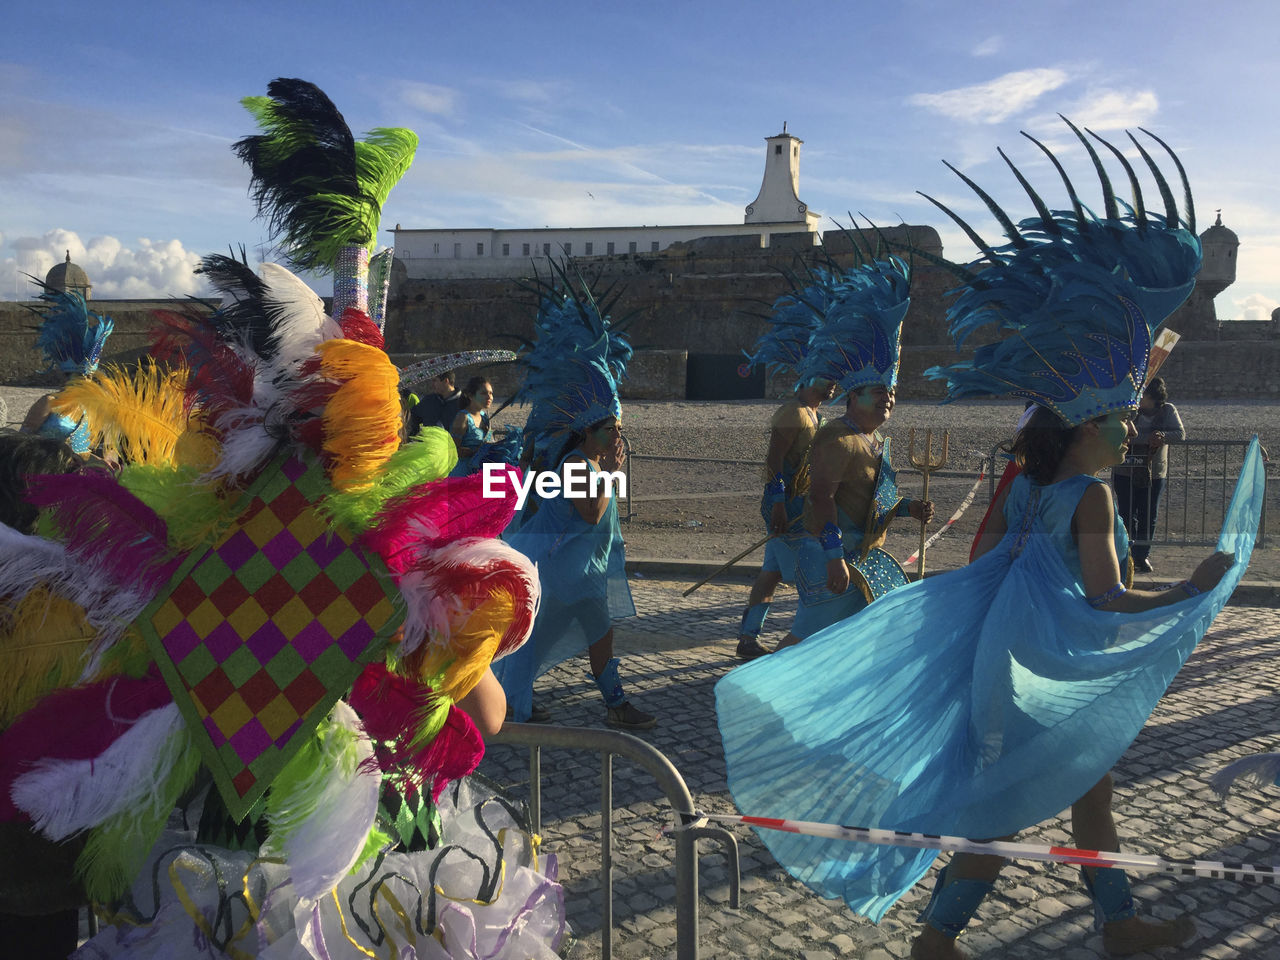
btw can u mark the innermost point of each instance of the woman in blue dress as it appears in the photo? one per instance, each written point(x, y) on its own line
point(573, 437)
point(983, 701)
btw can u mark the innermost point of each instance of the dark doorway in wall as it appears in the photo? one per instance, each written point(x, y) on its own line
point(718, 376)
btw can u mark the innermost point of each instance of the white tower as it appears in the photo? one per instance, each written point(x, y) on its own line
point(779, 198)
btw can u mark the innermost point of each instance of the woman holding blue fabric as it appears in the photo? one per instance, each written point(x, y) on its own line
point(983, 701)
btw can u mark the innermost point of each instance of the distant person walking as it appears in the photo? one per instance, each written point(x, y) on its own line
point(1139, 481)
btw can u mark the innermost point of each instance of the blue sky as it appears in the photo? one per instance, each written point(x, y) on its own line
point(116, 119)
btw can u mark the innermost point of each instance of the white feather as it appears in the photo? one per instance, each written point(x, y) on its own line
point(1261, 768)
point(303, 323)
point(63, 797)
point(323, 846)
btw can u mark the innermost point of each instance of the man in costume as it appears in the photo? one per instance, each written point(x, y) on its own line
point(792, 427)
point(853, 494)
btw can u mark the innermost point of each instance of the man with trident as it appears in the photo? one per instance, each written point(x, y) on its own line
point(853, 495)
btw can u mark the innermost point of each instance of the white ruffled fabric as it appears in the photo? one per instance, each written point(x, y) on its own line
point(478, 896)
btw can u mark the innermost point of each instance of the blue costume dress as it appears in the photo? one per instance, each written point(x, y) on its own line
point(582, 569)
point(976, 703)
point(475, 437)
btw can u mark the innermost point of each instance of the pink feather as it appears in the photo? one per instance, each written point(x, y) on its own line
point(429, 516)
point(105, 524)
point(75, 723)
point(391, 707)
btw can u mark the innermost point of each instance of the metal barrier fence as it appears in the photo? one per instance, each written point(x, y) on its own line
point(1195, 492)
point(607, 743)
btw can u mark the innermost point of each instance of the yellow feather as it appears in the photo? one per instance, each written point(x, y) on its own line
point(362, 420)
point(42, 641)
point(139, 414)
point(471, 645)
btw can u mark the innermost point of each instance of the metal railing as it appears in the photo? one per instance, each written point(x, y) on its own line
point(1197, 489)
point(608, 743)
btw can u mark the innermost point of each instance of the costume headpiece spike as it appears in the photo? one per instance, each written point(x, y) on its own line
point(1170, 205)
point(1188, 204)
point(1111, 211)
point(1139, 208)
point(858, 342)
point(1042, 209)
point(795, 318)
point(1076, 205)
point(1080, 302)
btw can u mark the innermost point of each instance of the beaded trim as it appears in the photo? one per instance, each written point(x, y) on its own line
point(1189, 588)
point(830, 539)
point(1102, 599)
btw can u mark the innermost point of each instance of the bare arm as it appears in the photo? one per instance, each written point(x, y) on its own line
point(38, 414)
point(780, 441)
point(827, 463)
point(1093, 527)
point(591, 509)
point(486, 704)
point(996, 527)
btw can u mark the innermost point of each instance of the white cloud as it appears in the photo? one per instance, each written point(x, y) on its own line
point(429, 98)
point(995, 100)
point(1113, 110)
point(1254, 307)
point(991, 45)
point(147, 270)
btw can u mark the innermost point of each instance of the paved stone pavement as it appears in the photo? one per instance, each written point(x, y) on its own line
point(1222, 705)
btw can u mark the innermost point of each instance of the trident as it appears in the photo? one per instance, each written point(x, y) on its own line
point(926, 466)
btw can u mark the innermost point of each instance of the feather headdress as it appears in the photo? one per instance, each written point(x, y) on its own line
point(796, 316)
point(71, 335)
point(1078, 297)
point(858, 342)
point(577, 358)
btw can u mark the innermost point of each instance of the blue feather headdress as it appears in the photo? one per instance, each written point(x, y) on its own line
point(71, 335)
point(795, 318)
point(859, 340)
point(574, 363)
point(1079, 297)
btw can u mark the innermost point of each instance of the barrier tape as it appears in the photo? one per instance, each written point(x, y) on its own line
point(1133, 862)
point(964, 505)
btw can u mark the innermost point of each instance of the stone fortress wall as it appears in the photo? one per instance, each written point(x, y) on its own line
point(705, 299)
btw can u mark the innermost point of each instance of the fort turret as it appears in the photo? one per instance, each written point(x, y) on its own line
point(1218, 246)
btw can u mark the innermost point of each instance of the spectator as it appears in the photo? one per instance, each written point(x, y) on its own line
point(1139, 481)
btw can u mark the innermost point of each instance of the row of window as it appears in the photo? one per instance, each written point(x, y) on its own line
point(565, 248)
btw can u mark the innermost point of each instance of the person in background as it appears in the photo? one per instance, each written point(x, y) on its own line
point(1139, 481)
point(470, 427)
point(439, 408)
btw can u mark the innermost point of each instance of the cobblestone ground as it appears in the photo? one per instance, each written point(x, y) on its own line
point(1221, 706)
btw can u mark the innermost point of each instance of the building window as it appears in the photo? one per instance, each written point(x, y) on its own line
point(777, 149)
point(568, 249)
point(526, 250)
point(435, 248)
point(589, 246)
point(457, 251)
point(653, 247)
point(631, 247)
point(479, 249)
point(546, 249)
point(506, 249)
point(609, 248)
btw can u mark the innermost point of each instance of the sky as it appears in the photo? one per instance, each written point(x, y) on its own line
point(116, 120)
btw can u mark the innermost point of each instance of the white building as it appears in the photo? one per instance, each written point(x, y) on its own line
point(484, 252)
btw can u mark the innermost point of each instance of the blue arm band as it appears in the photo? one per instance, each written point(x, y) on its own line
point(1102, 599)
point(1189, 588)
point(830, 539)
point(904, 508)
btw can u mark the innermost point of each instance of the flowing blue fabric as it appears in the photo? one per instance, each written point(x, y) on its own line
point(976, 703)
point(582, 568)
